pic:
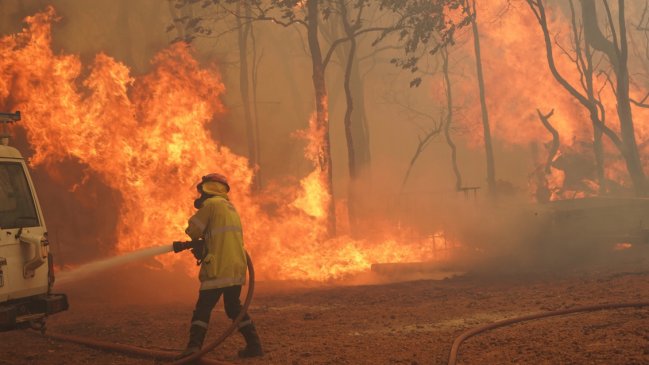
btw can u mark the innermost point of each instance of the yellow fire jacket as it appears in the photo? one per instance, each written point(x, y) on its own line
point(224, 262)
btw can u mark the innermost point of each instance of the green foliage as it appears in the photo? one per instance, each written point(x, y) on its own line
point(425, 27)
point(421, 27)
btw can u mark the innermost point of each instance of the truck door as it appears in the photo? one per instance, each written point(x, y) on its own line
point(23, 244)
point(17, 209)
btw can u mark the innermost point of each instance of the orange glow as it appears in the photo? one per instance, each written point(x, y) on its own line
point(147, 137)
point(518, 81)
point(622, 246)
point(313, 198)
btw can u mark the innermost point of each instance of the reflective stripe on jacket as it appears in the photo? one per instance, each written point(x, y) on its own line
point(225, 260)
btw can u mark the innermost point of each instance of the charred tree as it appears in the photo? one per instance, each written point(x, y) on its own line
point(595, 108)
point(542, 192)
point(360, 126)
point(352, 31)
point(255, 82)
point(349, 136)
point(449, 120)
point(554, 146)
point(355, 128)
point(584, 61)
point(360, 131)
point(355, 118)
point(243, 34)
point(617, 53)
point(491, 169)
point(322, 111)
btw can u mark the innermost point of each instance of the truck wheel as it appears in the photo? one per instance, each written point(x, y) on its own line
point(39, 325)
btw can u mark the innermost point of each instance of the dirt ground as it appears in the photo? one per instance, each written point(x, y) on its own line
point(408, 322)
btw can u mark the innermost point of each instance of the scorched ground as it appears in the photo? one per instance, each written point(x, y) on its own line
point(412, 322)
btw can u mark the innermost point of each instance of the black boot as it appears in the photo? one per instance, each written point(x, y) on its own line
point(253, 344)
point(196, 338)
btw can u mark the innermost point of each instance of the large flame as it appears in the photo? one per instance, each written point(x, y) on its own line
point(148, 138)
point(313, 198)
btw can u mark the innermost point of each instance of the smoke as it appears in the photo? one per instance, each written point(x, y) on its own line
point(518, 237)
point(80, 207)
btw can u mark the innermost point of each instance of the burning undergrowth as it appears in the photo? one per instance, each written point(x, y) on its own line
point(148, 138)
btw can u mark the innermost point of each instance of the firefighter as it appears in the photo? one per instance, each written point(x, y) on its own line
point(222, 263)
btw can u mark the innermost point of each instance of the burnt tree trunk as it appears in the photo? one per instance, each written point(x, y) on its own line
point(360, 127)
point(617, 53)
point(491, 169)
point(355, 124)
point(449, 121)
point(592, 104)
point(244, 85)
point(255, 104)
point(596, 114)
point(322, 112)
point(354, 121)
point(349, 136)
point(554, 147)
point(542, 193)
point(596, 120)
point(361, 143)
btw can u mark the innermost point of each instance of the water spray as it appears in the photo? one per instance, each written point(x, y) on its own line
point(85, 270)
point(196, 358)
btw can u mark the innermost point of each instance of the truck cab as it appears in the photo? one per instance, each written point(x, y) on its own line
point(26, 266)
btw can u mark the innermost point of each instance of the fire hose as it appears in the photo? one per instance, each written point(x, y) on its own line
point(452, 359)
point(197, 357)
point(169, 355)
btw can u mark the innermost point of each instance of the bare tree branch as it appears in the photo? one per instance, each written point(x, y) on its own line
point(421, 146)
point(609, 16)
point(539, 11)
point(340, 41)
point(641, 103)
point(554, 148)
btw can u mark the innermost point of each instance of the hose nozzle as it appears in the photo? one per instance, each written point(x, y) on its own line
point(182, 246)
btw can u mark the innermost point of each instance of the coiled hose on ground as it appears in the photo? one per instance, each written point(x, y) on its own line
point(452, 359)
point(169, 355)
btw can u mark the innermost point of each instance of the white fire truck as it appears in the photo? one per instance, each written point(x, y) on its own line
point(26, 268)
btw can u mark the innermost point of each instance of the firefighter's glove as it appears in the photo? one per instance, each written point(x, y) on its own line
point(198, 253)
